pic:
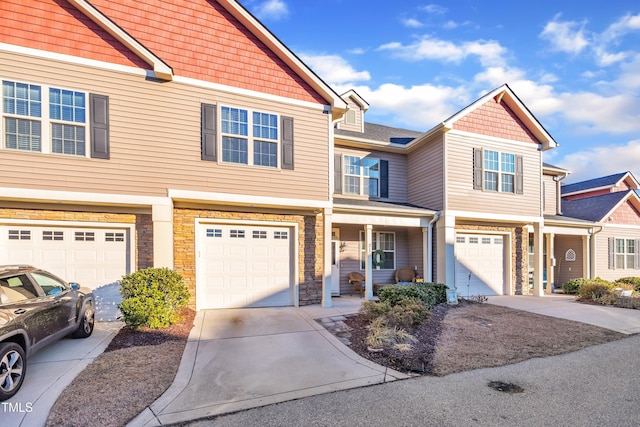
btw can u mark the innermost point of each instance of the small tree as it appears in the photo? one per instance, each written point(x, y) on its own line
point(152, 297)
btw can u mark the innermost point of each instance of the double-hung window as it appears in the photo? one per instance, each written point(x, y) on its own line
point(361, 176)
point(384, 241)
point(249, 137)
point(44, 119)
point(498, 171)
point(625, 253)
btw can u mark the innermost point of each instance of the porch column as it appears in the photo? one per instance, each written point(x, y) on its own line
point(162, 218)
point(446, 237)
point(538, 242)
point(587, 265)
point(550, 262)
point(426, 265)
point(326, 241)
point(368, 272)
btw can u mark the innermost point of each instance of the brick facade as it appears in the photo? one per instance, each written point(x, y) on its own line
point(143, 226)
point(310, 248)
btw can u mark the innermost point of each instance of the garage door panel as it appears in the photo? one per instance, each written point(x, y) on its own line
point(254, 271)
point(479, 265)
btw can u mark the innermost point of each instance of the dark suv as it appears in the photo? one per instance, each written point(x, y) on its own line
point(36, 309)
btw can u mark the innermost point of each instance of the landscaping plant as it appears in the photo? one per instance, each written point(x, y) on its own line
point(429, 294)
point(152, 297)
point(573, 285)
point(595, 289)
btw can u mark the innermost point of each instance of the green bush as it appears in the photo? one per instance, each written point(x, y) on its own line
point(152, 297)
point(407, 313)
point(429, 294)
point(595, 289)
point(635, 281)
point(573, 286)
point(371, 310)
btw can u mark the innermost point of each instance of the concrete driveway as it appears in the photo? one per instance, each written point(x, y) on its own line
point(243, 358)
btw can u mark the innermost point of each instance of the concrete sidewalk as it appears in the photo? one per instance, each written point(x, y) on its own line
point(237, 359)
point(622, 320)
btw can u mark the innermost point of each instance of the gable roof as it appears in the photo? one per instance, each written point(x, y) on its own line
point(364, 105)
point(547, 167)
point(601, 183)
point(164, 71)
point(595, 208)
point(506, 95)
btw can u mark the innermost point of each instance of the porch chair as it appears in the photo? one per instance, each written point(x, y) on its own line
point(405, 274)
point(357, 279)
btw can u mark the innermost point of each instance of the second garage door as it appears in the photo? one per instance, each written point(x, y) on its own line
point(244, 266)
point(479, 264)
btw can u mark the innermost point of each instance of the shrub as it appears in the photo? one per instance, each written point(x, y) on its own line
point(371, 310)
point(152, 297)
point(573, 286)
point(635, 281)
point(381, 334)
point(595, 289)
point(407, 313)
point(429, 294)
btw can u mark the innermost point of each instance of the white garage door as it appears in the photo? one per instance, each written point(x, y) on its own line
point(244, 266)
point(479, 264)
point(90, 256)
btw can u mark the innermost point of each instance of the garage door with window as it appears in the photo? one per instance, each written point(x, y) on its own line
point(244, 266)
point(479, 267)
point(91, 257)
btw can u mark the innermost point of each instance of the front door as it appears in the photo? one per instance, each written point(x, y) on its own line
point(335, 267)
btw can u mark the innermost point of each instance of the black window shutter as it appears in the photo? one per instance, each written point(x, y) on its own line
point(99, 126)
point(384, 178)
point(337, 173)
point(287, 142)
point(208, 136)
point(519, 174)
point(612, 253)
point(477, 168)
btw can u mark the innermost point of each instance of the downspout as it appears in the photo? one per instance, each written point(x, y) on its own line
point(557, 179)
point(592, 248)
point(430, 247)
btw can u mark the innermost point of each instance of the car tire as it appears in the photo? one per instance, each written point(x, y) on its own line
point(13, 367)
point(87, 321)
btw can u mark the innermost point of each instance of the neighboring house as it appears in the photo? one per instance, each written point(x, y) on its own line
point(167, 134)
point(612, 204)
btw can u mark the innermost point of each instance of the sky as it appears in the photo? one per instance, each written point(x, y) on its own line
point(574, 64)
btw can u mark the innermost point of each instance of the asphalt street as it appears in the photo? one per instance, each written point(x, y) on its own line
point(596, 386)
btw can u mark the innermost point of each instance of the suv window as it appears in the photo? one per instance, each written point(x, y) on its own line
point(18, 288)
point(49, 284)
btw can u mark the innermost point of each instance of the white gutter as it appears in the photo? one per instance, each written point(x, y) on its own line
point(430, 246)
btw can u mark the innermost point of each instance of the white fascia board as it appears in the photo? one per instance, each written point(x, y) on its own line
point(381, 220)
point(481, 216)
point(285, 54)
point(588, 190)
point(391, 210)
point(620, 226)
point(246, 200)
point(161, 70)
point(350, 141)
point(574, 231)
point(104, 199)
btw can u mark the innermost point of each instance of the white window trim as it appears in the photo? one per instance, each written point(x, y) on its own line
point(625, 254)
point(374, 243)
point(499, 172)
point(46, 136)
point(361, 176)
point(250, 138)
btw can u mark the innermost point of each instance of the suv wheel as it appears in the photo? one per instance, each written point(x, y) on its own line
point(85, 328)
point(13, 367)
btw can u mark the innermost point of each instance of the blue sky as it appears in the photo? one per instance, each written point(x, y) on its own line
point(575, 64)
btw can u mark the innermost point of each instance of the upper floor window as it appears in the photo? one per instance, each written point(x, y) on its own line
point(362, 176)
point(249, 138)
point(497, 171)
point(44, 119)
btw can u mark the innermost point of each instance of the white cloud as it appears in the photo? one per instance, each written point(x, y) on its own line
point(334, 69)
point(434, 9)
point(565, 36)
point(274, 10)
point(622, 26)
point(412, 23)
point(429, 48)
point(450, 25)
point(603, 160)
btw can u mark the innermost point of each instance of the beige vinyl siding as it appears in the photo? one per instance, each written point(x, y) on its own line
point(567, 270)
point(549, 194)
point(155, 139)
point(358, 115)
point(602, 252)
point(397, 171)
point(460, 193)
point(426, 175)
point(415, 238)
